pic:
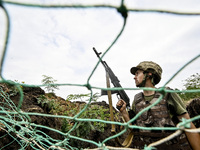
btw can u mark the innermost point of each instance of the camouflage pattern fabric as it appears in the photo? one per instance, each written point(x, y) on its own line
point(149, 66)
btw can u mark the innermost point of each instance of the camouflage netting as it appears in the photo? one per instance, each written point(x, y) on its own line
point(24, 124)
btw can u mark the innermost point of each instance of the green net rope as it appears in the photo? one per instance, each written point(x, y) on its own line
point(13, 120)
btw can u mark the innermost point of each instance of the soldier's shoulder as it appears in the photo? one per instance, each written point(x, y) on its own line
point(138, 97)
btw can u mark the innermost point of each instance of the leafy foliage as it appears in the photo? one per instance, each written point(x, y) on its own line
point(12, 88)
point(93, 112)
point(42, 100)
point(191, 83)
point(50, 83)
point(83, 96)
point(82, 129)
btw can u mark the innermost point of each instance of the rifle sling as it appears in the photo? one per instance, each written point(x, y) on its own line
point(127, 142)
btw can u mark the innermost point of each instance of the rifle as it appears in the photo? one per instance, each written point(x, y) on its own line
point(115, 81)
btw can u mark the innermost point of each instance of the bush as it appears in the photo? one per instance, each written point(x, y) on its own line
point(191, 83)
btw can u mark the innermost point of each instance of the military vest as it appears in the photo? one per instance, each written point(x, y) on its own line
point(157, 116)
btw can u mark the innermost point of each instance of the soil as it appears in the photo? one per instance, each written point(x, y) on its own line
point(30, 104)
point(9, 141)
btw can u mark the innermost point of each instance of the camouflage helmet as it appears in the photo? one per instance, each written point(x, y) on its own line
point(149, 66)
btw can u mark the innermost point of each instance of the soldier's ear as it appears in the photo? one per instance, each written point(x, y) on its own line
point(149, 74)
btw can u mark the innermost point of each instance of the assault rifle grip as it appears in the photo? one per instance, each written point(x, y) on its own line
point(119, 107)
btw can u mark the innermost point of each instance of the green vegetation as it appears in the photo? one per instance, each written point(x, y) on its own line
point(12, 87)
point(83, 96)
point(83, 128)
point(68, 108)
point(191, 83)
point(50, 83)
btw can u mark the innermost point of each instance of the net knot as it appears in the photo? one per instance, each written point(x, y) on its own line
point(162, 90)
point(88, 86)
point(123, 11)
point(148, 148)
point(102, 146)
point(185, 124)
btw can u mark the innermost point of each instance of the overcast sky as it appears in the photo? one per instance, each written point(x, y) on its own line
point(58, 42)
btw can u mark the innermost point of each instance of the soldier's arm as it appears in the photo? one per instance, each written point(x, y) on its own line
point(181, 112)
point(123, 110)
point(193, 138)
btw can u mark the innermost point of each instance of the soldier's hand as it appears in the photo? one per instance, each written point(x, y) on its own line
point(121, 103)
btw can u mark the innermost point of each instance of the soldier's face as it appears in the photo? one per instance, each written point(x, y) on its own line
point(138, 77)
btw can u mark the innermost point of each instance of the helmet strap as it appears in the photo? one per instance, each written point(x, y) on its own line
point(142, 84)
point(152, 79)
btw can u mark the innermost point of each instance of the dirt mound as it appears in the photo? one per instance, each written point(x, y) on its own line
point(36, 100)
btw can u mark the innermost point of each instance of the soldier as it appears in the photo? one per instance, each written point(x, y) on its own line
point(167, 113)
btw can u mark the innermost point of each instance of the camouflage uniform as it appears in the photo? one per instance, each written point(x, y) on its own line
point(164, 114)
